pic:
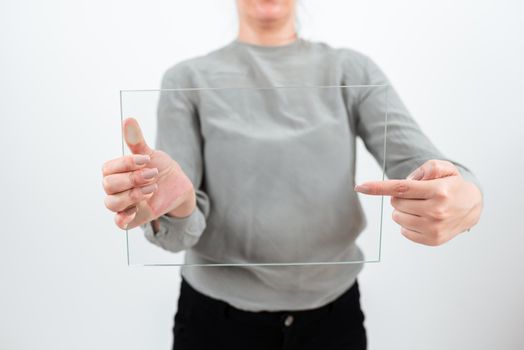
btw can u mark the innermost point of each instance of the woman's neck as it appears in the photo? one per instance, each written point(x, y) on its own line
point(267, 34)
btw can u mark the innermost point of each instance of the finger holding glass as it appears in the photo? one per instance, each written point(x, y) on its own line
point(142, 186)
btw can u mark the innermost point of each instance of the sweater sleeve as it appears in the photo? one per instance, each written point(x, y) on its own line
point(407, 147)
point(178, 134)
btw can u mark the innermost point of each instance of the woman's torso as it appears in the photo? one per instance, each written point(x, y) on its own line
point(279, 167)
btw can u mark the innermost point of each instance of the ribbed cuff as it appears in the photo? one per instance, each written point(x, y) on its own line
point(176, 234)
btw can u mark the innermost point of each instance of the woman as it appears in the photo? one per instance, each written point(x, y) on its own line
point(165, 192)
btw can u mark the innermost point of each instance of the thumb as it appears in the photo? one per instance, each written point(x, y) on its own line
point(134, 138)
point(434, 169)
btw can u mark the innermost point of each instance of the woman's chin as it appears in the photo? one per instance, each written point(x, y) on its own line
point(271, 12)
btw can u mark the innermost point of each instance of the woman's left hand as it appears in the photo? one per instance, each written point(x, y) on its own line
point(434, 203)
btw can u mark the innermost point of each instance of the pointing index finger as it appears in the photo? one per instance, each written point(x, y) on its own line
point(411, 189)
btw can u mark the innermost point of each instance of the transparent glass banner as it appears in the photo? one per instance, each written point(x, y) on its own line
point(274, 169)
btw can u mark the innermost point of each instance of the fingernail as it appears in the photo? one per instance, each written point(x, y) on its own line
point(130, 215)
point(130, 211)
point(132, 134)
point(149, 173)
point(148, 189)
point(362, 188)
point(416, 175)
point(141, 159)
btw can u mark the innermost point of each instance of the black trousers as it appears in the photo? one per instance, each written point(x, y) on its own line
point(203, 323)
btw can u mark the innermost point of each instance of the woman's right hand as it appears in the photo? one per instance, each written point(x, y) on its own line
point(145, 185)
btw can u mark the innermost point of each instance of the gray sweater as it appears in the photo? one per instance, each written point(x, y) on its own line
point(274, 183)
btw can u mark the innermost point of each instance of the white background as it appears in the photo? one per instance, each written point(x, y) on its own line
point(64, 283)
